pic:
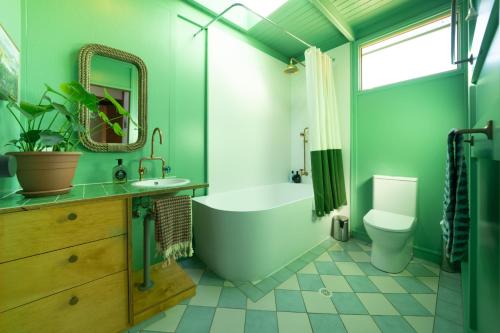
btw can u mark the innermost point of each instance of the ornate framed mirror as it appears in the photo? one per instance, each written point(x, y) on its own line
point(102, 70)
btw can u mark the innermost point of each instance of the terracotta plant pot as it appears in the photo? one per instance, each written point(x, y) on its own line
point(45, 173)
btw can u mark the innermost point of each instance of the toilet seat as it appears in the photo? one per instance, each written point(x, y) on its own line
point(387, 221)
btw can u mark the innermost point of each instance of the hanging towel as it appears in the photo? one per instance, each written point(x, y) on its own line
point(455, 224)
point(173, 227)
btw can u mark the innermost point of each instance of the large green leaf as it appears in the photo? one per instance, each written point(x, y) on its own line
point(31, 136)
point(31, 111)
point(121, 110)
point(50, 138)
point(76, 93)
point(117, 129)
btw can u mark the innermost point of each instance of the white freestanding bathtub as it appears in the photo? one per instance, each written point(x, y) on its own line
point(245, 235)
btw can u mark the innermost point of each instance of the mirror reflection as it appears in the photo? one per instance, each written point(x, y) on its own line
point(120, 80)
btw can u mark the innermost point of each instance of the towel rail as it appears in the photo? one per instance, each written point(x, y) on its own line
point(487, 130)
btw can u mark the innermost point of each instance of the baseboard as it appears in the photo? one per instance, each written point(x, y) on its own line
point(360, 235)
point(418, 252)
point(426, 254)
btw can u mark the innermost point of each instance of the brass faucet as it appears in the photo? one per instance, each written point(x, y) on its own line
point(142, 170)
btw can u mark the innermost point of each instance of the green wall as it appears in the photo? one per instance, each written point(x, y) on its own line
point(10, 19)
point(401, 130)
point(54, 31)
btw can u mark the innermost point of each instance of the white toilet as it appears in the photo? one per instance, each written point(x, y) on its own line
point(391, 222)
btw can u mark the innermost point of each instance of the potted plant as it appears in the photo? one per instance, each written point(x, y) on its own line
point(47, 156)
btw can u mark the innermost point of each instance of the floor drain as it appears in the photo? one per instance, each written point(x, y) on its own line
point(325, 292)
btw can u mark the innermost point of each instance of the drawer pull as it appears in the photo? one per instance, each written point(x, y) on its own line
point(73, 258)
point(73, 300)
point(72, 216)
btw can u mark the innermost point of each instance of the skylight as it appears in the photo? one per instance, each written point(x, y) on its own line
point(239, 15)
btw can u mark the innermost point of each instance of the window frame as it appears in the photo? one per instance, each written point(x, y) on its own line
point(401, 29)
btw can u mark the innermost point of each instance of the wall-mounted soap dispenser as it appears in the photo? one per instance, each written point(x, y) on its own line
point(119, 173)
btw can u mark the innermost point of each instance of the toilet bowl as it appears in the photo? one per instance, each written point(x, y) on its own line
point(391, 222)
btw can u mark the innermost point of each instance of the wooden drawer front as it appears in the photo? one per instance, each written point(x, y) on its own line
point(23, 234)
point(101, 306)
point(29, 279)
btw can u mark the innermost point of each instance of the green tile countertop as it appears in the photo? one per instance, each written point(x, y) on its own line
point(17, 202)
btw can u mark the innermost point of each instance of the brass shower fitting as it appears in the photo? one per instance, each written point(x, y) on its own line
point(303, 134)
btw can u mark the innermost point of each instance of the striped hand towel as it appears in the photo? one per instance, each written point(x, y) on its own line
point(455, 224)
point(173, 227)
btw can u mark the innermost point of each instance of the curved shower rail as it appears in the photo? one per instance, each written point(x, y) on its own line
point(216, 18)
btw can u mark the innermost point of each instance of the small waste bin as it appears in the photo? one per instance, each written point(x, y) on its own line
point(341, 228)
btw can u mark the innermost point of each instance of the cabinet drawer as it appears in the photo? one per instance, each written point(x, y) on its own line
point(23, 234)
point(99, 306)
point(29, 279)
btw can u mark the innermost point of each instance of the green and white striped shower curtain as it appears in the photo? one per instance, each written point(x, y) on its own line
point(325, 144)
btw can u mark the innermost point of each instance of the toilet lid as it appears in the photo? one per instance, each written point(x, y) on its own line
point(389, 221)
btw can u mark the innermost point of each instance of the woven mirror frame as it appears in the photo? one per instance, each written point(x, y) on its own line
point(84, 67)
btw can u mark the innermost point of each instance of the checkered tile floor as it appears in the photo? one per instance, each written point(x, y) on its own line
point(355, 297)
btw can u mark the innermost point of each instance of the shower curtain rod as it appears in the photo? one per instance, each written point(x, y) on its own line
point(257, 14)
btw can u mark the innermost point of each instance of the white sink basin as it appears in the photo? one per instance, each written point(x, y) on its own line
point(161, 183)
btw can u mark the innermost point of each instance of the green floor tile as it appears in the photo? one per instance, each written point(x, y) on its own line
point(359, 256)
point(450, 296)
point(206, 296)
point(348, 303)
point(228, 320)
point(318, 250)
point(442, 325)
point(210, 279)
point(361, 284)
point(293, 322)
point(283, 274)
point(350, 246)
point(421, 324)
point(349, 268)
point(377, 304)
point(318, 303)
point(339, 256)
point(267, 284)
point(419, 270)
point(196, 319)
point(309, 256)
point(387, 284)
point(297, 265)
point(326, 323)
point(407, 305)
point(413, 285)
point(449, 311)
point(170, 321)
point(261, 322)
point(232, 298)
point(336, 283)
point(289, 300)
point(371, 270)
point(251, 291)
point(392, 324)
point(359, 324)
point(310, 282)
point(266, 303)
point(327, 268)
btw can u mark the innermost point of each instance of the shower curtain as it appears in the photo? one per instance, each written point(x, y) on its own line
point(325, 145)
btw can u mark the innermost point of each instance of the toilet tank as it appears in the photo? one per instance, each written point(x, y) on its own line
point(395, 194)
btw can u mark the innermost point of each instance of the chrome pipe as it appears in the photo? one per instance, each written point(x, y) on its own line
point(216, 18)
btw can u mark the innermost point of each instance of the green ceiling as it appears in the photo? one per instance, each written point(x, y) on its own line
point(318, 21)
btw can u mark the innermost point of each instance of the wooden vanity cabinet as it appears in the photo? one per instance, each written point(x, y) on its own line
point(63, 268)
point(67, 268)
